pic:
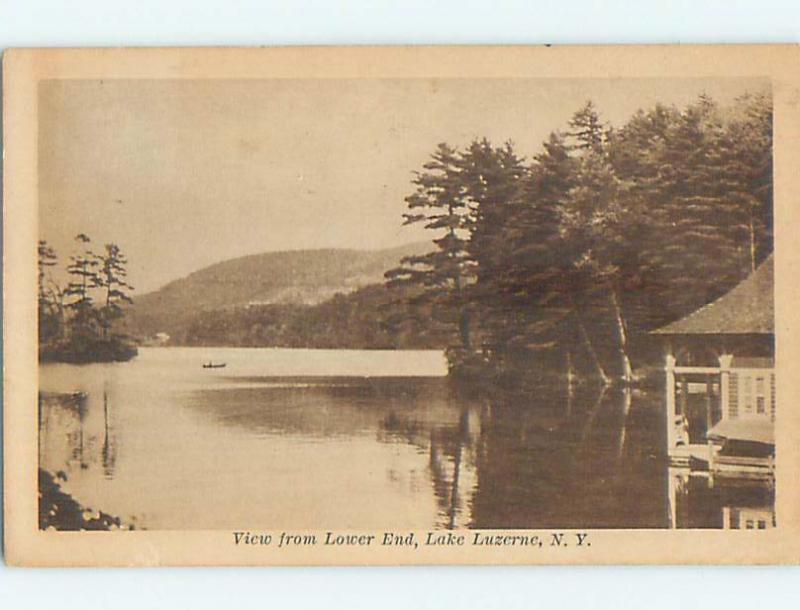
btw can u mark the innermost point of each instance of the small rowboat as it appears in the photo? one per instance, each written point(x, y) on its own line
point(211, 365)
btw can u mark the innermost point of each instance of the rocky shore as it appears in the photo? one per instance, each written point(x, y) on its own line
point(60, 511)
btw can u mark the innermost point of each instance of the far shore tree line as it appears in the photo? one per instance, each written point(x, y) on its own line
point(78, 321)
point(571, 257)
point(357, 320)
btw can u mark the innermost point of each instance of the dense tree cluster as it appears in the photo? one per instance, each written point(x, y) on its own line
point(77, 321)
point(369, 318)
point(604, 235)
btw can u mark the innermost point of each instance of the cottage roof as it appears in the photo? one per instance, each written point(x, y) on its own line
point(750, 430)
point(748, 309)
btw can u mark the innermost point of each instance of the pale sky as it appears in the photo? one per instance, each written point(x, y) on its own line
point(185, 173)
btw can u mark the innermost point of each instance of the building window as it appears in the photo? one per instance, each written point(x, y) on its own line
point(733, 395)
point(761, 398)
point(747, 398)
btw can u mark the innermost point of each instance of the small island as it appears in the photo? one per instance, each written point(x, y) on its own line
point(78, 322)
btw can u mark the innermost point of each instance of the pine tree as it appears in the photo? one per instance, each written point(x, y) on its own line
point(46, 258)
point(523, 283)
point(83, 273)
point(111, 277)
point(48, 300)
point(632, 148)
point(598, 220)
point(746, 157)
point(538, 270)
point(586, 129)
point(593, 213)
point(690, 213)
point(492, 178)
point(439, 203)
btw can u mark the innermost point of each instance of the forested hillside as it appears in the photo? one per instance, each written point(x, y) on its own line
point(369, 318)
point(257, 283)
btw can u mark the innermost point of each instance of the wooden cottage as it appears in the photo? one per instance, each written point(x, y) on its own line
point(720, 382)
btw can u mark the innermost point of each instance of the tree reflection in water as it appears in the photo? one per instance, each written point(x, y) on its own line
point(70, 429)
point(565, 456)
point(587, 458)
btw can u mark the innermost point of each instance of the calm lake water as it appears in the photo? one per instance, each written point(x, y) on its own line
point(345, 439)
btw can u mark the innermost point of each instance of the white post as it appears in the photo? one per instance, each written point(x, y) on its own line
point(712, 453)
point(670, 390)
point(725, 361)
point(672, 497)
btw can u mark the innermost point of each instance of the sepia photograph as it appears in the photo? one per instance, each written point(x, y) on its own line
point(404, 310)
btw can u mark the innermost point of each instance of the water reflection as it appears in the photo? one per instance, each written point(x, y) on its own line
point(75, 436)
point(553, 460)
point(109, 445)
point(698, 501)
point(453, 466)
point(178, 448)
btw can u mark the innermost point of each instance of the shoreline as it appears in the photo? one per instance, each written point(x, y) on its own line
point(59, 511)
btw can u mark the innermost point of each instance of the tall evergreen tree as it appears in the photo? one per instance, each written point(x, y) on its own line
point(492, 179)
point(591, 212)
point(595, 222)
point(521, 270)
point(586, 129)
point(439, 203)
point(48, 301)
point(82, 270)
point(746, 158)
point(538, 269)
point(46, 258)
point(690, 212)
point(111, 278)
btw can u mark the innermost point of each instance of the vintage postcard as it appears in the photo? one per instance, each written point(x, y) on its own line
point(418, 305)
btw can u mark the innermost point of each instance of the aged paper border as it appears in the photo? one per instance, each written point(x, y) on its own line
point(24, 68)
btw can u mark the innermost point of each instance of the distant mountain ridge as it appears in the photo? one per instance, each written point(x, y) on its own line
point(285, 277)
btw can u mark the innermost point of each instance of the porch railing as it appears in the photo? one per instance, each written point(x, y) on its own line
point(731, 392)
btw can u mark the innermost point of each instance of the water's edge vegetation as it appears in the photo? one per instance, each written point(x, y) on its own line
point(78, 321)
point(60, 511)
